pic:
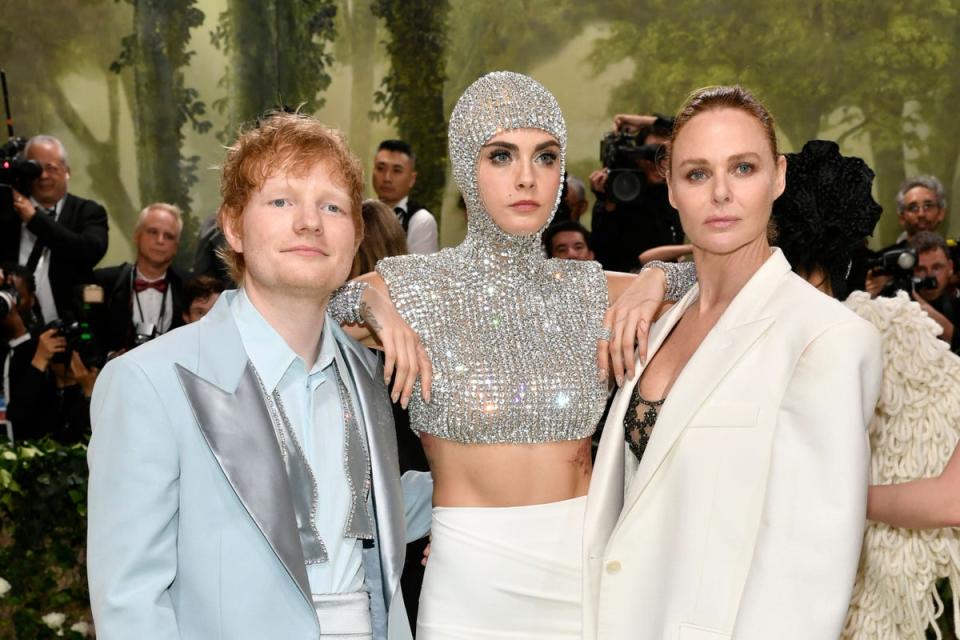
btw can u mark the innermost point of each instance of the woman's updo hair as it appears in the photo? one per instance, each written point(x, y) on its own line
point(722, 97)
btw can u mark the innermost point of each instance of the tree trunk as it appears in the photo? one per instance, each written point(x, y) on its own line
point(363, 33)
point(889, 162)
point(104, 164)
point(415, 86)
point(157, 119)
point(253, 83)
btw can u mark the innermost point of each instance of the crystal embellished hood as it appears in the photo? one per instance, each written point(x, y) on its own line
point(497, 102)
point(511, 335)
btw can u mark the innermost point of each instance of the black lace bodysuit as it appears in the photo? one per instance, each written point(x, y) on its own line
point(639, 420)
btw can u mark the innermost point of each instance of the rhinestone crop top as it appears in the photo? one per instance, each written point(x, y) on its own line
point(512, 336)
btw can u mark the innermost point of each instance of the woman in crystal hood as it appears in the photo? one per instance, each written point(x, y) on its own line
point(517, 391)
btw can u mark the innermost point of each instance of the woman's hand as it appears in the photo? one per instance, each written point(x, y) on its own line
point(634, 303)
point(404, 355)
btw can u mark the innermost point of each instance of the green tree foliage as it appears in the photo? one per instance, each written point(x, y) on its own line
point(412, 94)
point(512, 35)
point(42, 47)
point(278, 56)
point(357, 31)
point(158, 51)
point(811, 62)
point(43, 500)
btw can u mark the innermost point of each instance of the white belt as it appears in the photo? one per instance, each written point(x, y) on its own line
point(344, 616)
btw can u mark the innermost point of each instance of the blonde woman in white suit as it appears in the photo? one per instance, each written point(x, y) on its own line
point(729, 493)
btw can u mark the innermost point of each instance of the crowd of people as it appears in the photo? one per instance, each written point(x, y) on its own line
point(584, 448)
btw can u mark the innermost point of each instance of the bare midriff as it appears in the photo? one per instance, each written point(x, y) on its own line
point(507, 475)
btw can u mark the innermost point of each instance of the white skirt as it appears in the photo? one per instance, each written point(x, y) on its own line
point(504, 573)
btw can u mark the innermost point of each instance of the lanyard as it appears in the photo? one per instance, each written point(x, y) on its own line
point(136, 296)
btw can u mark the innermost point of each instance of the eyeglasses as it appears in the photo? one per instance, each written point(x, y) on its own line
point(915, 207)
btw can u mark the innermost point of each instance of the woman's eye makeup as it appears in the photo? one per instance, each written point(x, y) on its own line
point(696, 175)
point(499, 155)
point(548, 157)
point(744, 168)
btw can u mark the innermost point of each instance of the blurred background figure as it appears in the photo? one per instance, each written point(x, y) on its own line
point(144, 299)
point(200, 293)
point(56, 235)
point(568, 239)
point(394, 174)
point(632, 212)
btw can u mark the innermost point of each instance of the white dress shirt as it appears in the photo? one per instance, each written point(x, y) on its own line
point(311, 401)
point(421, 230)
point(41, 274)
point(152, 307)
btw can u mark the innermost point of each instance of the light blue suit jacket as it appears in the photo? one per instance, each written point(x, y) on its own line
point(191, 531)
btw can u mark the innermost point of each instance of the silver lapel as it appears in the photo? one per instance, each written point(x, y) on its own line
point(239, 432)
point(300, 478)
point(376, 417)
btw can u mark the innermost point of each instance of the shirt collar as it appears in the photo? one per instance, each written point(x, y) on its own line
point(267, 350)
point(57, 207)
point(402, 204)
point(146, 279)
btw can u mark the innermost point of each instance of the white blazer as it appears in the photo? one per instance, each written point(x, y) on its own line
point(745, 517)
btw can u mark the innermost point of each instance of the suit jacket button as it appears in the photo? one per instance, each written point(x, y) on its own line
point(613, 567)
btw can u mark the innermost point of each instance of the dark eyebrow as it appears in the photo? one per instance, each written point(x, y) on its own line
point(505, 145)
point(512, 147)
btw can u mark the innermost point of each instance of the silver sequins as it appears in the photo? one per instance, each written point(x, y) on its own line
point(510, 334)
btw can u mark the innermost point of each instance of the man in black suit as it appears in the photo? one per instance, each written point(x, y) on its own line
point(144, 299)
point(56, 235)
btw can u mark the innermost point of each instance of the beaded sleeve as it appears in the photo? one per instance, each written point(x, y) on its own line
point(681, 276)
point(344, 305)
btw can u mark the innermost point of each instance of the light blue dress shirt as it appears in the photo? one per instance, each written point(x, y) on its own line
point(311, 401)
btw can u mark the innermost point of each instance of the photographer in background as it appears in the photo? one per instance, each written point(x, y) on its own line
point(632, 212)
point(942, 302)
point(144, 299)
point(46, 383)
point(57, 236)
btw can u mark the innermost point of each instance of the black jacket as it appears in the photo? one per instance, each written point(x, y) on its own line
point(37, 407)
point(113, 324)
point(77, 240)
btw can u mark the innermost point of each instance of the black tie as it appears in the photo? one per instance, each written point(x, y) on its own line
point(400, 212)
point(38, 246)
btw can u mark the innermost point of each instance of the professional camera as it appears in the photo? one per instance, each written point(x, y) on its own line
point(620, 153)
point(79, 338)
point(15, 171)
point(144, 332)
point(898, 263)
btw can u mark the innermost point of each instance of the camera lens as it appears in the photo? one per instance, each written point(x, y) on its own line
point(625, 186)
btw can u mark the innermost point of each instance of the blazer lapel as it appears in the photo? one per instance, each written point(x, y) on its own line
point(606, 484)
point(740, 326)
point(228, 404)
point(377, 419)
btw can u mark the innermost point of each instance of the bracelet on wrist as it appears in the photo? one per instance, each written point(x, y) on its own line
point(344, 305)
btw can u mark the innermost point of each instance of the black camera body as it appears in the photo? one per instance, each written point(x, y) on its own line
point(79, 338)
point(898, 263)
point(620, 154)
point(15, 171)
